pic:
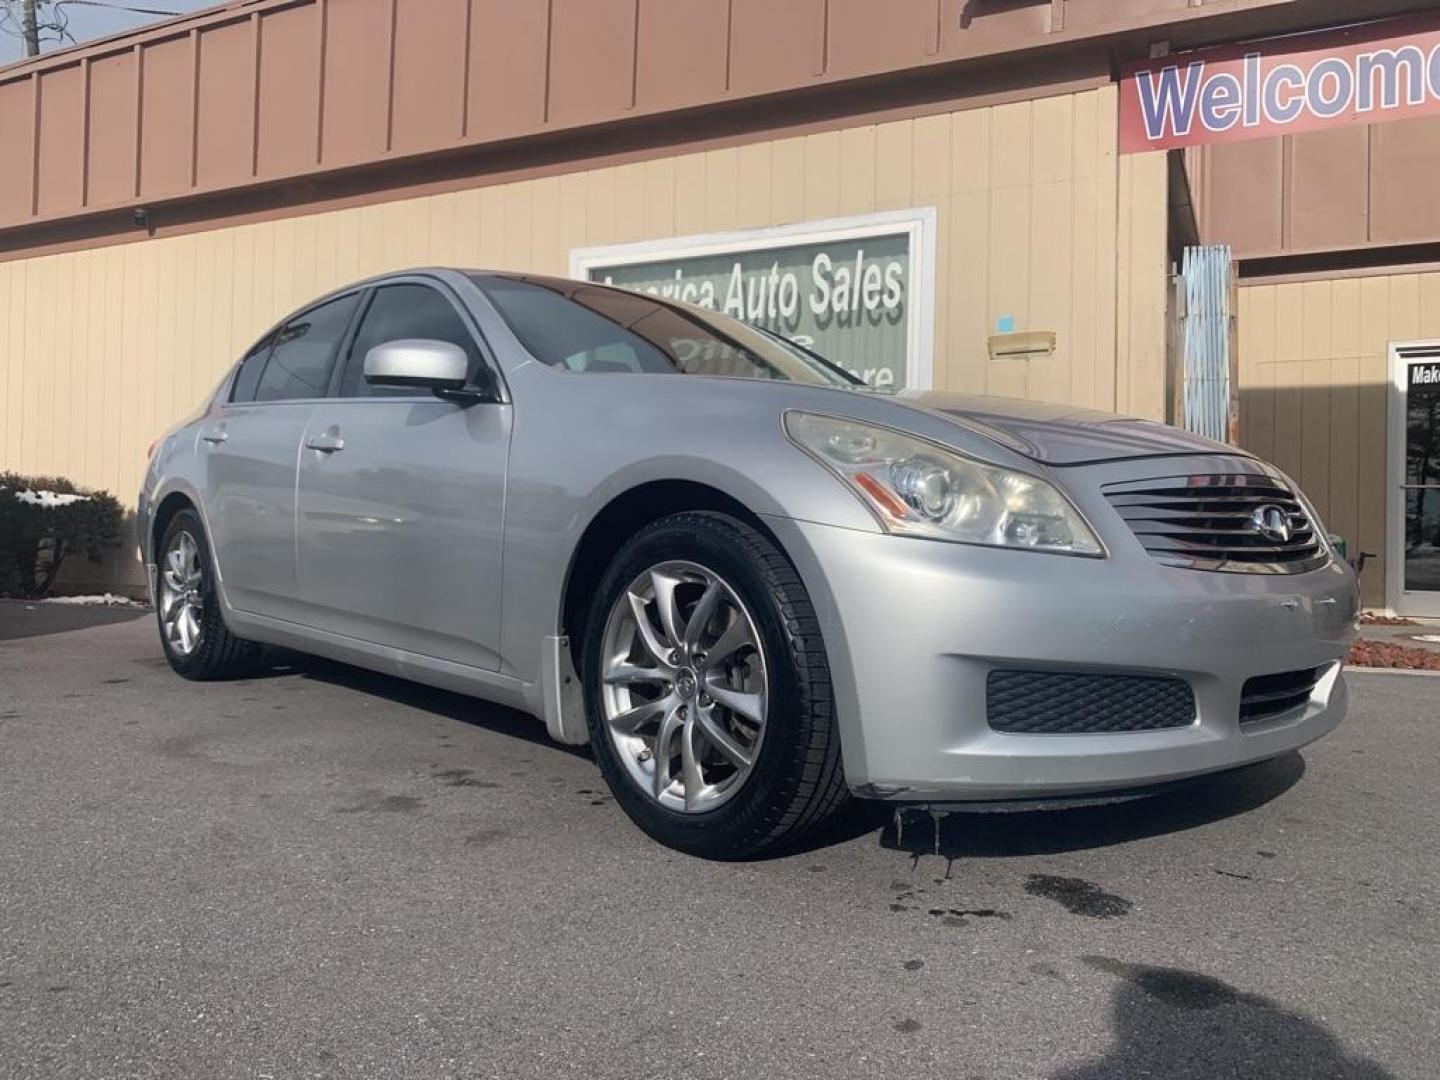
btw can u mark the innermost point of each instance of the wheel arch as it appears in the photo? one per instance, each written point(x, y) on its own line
point(164, 513)
point(619, 519)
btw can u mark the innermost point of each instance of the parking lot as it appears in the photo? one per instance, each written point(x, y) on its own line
point(323, 872)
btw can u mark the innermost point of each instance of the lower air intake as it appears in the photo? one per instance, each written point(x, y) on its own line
point(1266, 696)
point(1053, 703)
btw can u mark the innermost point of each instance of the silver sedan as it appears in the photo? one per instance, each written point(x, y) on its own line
point(753, 586)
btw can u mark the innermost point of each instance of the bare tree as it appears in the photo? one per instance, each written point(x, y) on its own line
point(47, 22)
point(36, 22)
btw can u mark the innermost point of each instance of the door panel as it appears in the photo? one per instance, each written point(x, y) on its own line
point(400, 517)
point(249, 453)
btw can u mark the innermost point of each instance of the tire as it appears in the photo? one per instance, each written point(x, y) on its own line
point(794, 780)
point(209, 651)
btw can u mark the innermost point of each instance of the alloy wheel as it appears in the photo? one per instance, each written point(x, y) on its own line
point(182, 604)
point(684, 686)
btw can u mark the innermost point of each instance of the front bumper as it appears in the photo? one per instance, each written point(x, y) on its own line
point(914, 627)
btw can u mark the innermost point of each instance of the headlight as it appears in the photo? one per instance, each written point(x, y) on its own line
point(916, 488)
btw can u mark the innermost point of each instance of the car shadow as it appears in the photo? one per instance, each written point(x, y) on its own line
point(34, 618)
point(969, 833)
point(452, 706)
point(1182, 1024)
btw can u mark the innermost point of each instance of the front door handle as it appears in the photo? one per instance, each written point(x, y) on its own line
point(214, 436)
point(327, 442)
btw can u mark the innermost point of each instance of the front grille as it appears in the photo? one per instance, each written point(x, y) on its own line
point(1266, 696)
point(1052, 703)
point(1210, 522)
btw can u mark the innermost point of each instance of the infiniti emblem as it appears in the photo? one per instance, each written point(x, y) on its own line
point(1271, 522)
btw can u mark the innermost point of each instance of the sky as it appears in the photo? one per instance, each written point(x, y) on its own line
point(89, 22)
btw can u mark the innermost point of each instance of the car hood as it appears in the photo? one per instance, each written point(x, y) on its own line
point(1061, 434)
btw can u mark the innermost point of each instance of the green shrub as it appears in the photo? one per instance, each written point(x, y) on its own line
point(43, 521)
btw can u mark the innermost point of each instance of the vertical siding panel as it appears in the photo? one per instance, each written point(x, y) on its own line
point(306, 283)
point(199, 359)
point(467, 229)
point(858, 156)
point(327, 275)
point(1052, 137)
point(1315, 327)
point(787, 159)
point(965, 359)
point(492, 225)
point(1371, 465)
point(754, 179)
point(600, 222)
point(152, 416)
point(1315, 436)
point(1343, 511)
point(412, 234)
point(282, 266)
point(266, 310)
point(519, 226)
point(40, 292)
point(822, 175)
point(930, 184)
point(1344, 317)
point(57, 425)
point(161, 388)
point(116, 322)
point(1404, 307)
point(440, 246)
point(722, 196)
point(16, 329)
point(572, 209)
point(7, 357)
point(1289, 334)
point(1257, 362)
point(1080, 349)
point(630, 201)
point(1106, 254)
point(549, 253)
point(659, 198)
point(96, 337)
point(1430, 305)
point(690, 200)
point(894, 165)
point(962, 361)
point(1050, 297)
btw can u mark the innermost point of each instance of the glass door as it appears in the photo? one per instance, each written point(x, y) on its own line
point(1413, 579)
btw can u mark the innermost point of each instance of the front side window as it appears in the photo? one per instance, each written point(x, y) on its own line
point(299, 365)
point(396, 313)
point(583, 327)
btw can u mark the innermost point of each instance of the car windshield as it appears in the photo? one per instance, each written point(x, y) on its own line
point(583, 327)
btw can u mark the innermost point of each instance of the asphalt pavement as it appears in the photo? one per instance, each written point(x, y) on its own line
point(327, 873)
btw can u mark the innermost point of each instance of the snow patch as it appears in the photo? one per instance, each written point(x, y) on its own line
point(49, 498)
point(98, 600)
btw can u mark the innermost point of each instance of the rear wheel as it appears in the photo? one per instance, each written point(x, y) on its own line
point(708, 691)
point(193, 634)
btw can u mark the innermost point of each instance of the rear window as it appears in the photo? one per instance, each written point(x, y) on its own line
point(299, 364)
point(594, 328)
point(248, 376)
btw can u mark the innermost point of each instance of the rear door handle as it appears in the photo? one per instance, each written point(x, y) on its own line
point(327, 442)
point(214, 436)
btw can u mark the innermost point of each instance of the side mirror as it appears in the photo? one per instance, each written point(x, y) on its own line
point(418, 362)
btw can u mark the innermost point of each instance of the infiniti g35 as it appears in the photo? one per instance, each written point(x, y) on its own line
point(752, 585)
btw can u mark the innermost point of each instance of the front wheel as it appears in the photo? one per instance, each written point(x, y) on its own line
point(708, 692)
point(193, 633)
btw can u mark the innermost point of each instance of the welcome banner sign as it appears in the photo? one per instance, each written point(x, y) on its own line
point(1386, 70)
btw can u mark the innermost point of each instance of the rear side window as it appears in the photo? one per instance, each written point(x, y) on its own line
point(249, 375)
point(396, 313)
point(299, 365)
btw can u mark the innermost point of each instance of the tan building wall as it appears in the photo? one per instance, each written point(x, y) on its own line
point(1314, 360)
point(1038, 218)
